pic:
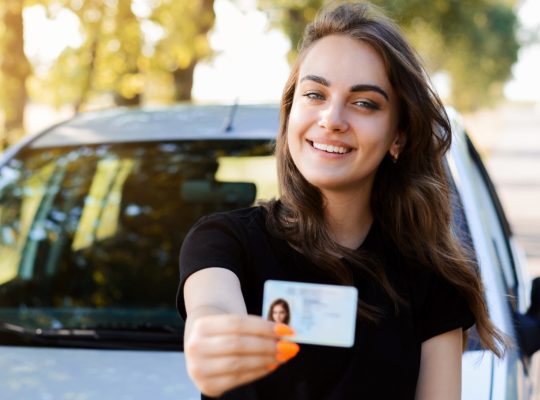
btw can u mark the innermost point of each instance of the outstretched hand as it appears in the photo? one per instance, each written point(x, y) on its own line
point(226, 351)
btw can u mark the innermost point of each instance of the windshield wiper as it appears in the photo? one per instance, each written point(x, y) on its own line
point(113, 336)
point(135, 327)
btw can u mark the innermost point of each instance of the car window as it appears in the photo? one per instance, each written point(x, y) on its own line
point(91, 235)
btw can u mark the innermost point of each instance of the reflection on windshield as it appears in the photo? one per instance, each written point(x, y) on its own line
point(91, 235)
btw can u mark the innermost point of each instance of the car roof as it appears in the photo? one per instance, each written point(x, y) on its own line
point(182, 122)
point(179, 122)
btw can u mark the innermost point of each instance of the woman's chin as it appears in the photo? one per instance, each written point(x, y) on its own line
point(329, 184)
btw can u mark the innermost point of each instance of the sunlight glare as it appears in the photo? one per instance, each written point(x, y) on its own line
point(45, 39)
point(523, 85)
point(250, 62)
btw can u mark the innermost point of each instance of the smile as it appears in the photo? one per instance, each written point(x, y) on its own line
point(330, 149)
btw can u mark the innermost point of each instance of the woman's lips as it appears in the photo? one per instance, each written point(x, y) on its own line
point(331, 148)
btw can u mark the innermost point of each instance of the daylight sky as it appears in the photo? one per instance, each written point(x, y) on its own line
point(251, 60)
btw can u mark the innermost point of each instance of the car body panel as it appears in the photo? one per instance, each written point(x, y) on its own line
point(62, 373)
point(171, 123)
point(509, 375)
point(477, 368)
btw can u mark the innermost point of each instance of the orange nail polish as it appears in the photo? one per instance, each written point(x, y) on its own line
point(287, 347)
point(282, 357)
point(283, 330)
point(273, 366)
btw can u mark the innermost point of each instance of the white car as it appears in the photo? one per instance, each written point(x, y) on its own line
point(92, 216)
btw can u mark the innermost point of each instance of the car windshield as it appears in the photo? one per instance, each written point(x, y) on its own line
point(90, 235)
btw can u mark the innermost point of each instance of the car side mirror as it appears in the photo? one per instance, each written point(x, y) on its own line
point(528, 324)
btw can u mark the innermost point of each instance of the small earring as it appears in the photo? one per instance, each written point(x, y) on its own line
point(394, 157)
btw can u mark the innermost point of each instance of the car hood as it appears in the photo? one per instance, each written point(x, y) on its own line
point(56, 373)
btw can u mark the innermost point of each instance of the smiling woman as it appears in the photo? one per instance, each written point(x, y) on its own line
point(344, 116)
point(364, 201)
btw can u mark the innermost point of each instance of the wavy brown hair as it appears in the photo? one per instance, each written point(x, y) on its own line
point(410, 200)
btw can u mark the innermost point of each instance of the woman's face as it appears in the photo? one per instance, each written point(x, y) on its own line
point(279, 314)
point(344, 115)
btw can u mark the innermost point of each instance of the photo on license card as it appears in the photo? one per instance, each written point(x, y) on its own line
point(319, 314)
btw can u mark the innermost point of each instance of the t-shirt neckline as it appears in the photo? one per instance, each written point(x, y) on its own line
point(366, 243)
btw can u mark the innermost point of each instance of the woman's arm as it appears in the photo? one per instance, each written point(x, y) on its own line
point(224, 346)
point(440, 367)
point(212, 291)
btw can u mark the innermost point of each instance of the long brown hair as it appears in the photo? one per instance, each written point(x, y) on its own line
point(409, 199)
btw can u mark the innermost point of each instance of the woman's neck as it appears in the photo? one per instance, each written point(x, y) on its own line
point(348, 216)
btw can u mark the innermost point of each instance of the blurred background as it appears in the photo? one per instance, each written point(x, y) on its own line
point(62, 57)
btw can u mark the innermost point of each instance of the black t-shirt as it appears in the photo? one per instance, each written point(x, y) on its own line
point(385, 359)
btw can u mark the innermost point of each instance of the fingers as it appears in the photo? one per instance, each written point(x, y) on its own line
point(226, 351)
point(217, 386)
point(236, 366)
point(234, 324)
point(243, 346)
point(237, 345)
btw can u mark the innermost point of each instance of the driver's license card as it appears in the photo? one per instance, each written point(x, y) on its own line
point(319, 314)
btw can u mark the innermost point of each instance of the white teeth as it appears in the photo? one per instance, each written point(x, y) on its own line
point(330, 149)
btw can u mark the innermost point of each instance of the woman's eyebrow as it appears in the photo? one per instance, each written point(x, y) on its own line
point(369, 88)
point(315, 78)
point(355, 88)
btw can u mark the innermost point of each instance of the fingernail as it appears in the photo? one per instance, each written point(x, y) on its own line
point(287, 349)
point(283, 330)
point(282, 357)
point(273, 366)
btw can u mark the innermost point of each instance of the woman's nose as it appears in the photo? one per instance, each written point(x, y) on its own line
point(333, 118)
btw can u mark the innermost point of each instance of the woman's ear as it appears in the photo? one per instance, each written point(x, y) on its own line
point(398, 144)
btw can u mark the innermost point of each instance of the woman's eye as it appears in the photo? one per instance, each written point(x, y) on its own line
point(313, 96)
point(367, 104)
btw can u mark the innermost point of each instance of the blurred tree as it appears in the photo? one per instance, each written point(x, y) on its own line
point(184, 43)
point(108, 60)
point(120, 55)
point(14, 70)
point(473, 41)
point(291, 16)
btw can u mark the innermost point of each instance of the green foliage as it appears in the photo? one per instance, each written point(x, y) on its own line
point(108, 60)
point(111, 60)
point(120, 47)
point(473, 41)
point(185, 26)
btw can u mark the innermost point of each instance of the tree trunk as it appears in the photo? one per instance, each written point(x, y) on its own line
point(126, 19)
point(15, 68)
point(183, 77)
point(87, 84)
point(121, 101)
point(183, 82)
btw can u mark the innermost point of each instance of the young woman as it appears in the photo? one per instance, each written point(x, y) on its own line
point(364, 202)
point(279, 311)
